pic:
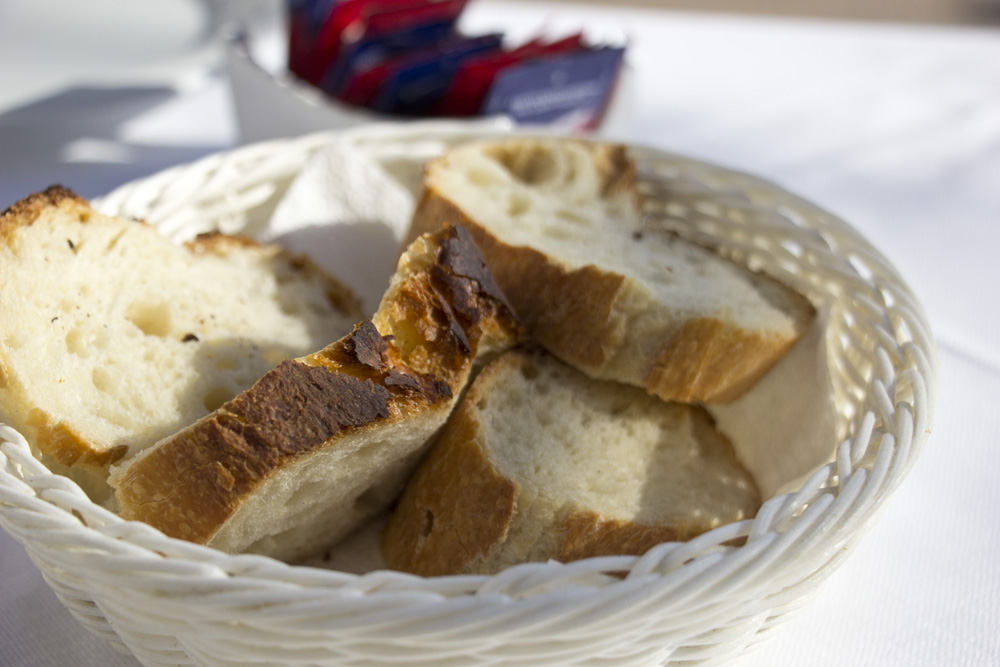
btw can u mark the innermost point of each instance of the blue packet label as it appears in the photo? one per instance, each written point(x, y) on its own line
point(305, 19)
point(297, 6)
point(418, 83)
point(570, 91)
point(315, 12)
point(371, 50)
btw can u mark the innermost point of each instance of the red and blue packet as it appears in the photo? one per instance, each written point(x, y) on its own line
point(325, 35)
point(305, 21)
point(409, 83)
point(363, 32)
point(570, 91)
point(475, 76)
point(408, 58)
point(417, 84)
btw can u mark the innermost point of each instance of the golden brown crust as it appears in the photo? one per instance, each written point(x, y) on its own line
point(460, 514)
point(191, 484)
point(59, 440)
point(569, 311)
point(454, 511)
point(577, 314)
point(27, 210)
point(440, 318)
point(219, 243)
point(67, 447)
point(587, 534)
point(712, 362)
point(188, 486)
point(54, 438)
point(617, 170)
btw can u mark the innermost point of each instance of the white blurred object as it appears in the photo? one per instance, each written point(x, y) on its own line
point(270, 103)
point(57, 45)
point(359, 192)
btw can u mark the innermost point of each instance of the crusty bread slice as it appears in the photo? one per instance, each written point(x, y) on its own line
point(542, 462)
point(322, 442)
point(112, 336)
point(559, 222)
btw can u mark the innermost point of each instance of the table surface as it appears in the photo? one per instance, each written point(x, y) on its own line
point(894, 128)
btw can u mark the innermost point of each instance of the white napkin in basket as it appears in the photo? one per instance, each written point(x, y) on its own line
point(350, 206)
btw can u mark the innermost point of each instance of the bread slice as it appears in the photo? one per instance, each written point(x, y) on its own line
point(559, 221)
point(112, 336)
point(542, 462)
point(324, 441)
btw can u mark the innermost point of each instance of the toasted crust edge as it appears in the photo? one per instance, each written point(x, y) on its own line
point(460, 491)
point(188, 486)
point(56, 441)
point(59, 442)
point(26, 210)
point(711, 362)
point(457, 491)
point(577, 328)
point(573, 313)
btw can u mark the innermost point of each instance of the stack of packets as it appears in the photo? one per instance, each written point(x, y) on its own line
point(408, 58)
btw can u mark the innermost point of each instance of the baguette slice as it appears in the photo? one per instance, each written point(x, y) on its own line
point(542, 462)
point(111, 336)
point(559, 222)
point(324, 441)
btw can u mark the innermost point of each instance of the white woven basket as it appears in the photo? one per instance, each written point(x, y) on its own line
point(700, 602)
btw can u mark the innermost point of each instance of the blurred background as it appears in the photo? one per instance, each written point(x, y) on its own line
point(885, 112)
point(931, 11)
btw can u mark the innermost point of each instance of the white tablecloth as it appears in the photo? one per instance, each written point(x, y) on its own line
point(897, 129)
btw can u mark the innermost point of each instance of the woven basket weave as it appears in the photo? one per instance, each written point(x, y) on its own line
point(701, 602)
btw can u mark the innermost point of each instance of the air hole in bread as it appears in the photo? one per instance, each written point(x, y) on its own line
point(569, 215)
point(482, 177)
point(529, 370)
point(216, 397)
point(291, 308)
point(81, 342)
point(104, 381)
point(562, 233)
point(151, 318)
point(406, 337)
point(305, 495)
point(74, 342)
point(14, 340)
point(428, 526)
point(226, 363)
point(532, 167)
point(518, 204)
